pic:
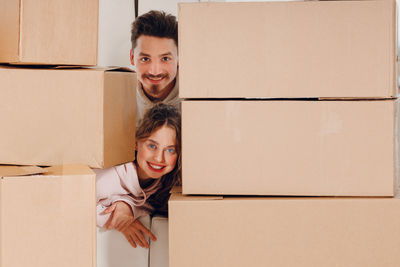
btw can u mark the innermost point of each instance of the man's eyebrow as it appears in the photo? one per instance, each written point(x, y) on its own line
point(166, 54)
point(143, 54)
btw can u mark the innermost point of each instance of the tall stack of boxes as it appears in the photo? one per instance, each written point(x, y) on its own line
point(289, 135)
point(56, 111)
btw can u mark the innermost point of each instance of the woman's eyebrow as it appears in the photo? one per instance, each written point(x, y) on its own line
point(151, 140)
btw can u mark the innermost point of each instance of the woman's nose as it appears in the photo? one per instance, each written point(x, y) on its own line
point(159, 156)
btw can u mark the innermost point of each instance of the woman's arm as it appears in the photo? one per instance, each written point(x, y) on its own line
point(123, 220)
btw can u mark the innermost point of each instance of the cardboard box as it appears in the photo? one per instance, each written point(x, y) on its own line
point(285, 232)
point(330, 49)
point(313, 148)
point(60, 116)
point(52, 32)
point(47, 219)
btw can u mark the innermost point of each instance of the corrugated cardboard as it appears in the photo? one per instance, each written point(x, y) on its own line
point(49, 32)
point(285, 232)
point(288, 49)
point(49, 219)
point(322, 148)
point(61, 116)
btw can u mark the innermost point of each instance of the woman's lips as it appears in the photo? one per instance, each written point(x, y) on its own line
point(155, 167)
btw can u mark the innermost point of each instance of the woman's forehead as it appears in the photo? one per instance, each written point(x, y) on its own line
point(164, 135)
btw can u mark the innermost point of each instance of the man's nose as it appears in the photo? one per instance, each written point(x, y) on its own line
point(155, 68)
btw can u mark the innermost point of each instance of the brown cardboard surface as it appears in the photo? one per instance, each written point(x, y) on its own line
point(48, 220)
point(322, 148)
point(9, 30)
point(49, 32)
point(120, 118)
point(20, 170)
point(286, 232)
point(290, 49)
point(63, 116)
point(70, 169)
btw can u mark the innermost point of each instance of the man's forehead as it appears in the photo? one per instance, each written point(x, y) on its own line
point(151, 45)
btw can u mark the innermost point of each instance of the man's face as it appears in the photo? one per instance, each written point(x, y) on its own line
point(156, 61)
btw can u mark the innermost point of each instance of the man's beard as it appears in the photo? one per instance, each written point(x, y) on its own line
point(152, 77)
point(155, 89)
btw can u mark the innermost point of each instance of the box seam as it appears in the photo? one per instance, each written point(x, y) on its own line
point(103, 163)
point(20, 31)
point(1, 223)
point(396, 147)
point(392, 21)
point(97, 35)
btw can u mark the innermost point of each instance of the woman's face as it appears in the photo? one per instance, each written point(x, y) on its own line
point(157, 154)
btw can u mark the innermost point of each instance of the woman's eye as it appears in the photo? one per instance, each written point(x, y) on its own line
point(152, 146)
point(171, 150)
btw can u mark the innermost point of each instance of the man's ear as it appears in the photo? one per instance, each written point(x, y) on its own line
point(131, 57)
point(135, 146)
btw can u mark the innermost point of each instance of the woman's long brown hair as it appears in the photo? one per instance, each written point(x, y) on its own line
point(160, 115)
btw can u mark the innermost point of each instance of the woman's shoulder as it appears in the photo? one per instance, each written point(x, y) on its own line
point(122, 169)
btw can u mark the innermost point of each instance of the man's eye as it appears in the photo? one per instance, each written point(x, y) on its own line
point(152, 146)
point(166, 59)
point(144, 59)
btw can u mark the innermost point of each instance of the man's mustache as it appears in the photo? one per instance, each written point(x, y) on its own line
point(158, 76)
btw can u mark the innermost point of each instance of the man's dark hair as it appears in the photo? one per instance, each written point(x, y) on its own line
point(155, 23)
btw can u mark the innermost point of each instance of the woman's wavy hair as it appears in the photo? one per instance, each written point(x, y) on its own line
point(158, 116)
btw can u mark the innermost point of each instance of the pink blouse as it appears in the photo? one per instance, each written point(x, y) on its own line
point(121, 183)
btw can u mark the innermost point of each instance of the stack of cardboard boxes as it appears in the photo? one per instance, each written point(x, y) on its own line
point(55, 112)
point(289, 135)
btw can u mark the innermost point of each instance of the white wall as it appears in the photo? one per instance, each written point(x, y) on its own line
point(169, 6)
point(115, 19)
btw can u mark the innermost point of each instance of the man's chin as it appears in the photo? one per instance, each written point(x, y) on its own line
point(156, 91)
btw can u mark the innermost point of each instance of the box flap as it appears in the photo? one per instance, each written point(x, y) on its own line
point(98, 68)
point(180, 197)
point(52, 67)
point(70, 169)
point(120, 69)
point(6, 170)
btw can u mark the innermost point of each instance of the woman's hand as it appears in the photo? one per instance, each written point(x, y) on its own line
point(121, 216)
point(135, 234)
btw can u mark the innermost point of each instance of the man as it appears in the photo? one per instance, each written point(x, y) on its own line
point(154, 52)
